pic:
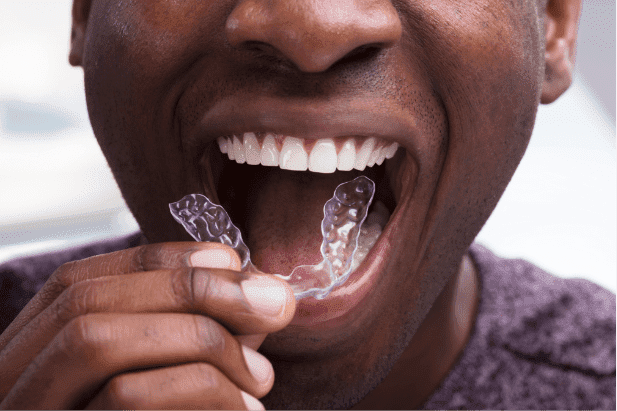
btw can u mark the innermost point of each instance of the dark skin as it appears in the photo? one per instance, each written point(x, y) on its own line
point(456, 84)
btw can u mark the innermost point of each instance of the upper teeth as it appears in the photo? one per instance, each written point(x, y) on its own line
point(293, 156)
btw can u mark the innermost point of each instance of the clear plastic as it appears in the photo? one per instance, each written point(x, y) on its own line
point(344, 214)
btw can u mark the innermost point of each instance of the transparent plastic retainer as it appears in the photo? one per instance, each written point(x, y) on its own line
point(344, 214)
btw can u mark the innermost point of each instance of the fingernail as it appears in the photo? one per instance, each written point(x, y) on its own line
point(265, 295)
point(211, 258)
point(251, 402)
point(258, 365)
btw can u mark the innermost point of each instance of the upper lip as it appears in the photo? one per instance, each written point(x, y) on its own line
point(297, 118)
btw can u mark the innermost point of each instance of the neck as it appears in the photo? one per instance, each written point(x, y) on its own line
point(434, 349)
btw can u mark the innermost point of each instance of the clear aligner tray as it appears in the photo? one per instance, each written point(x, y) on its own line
point(344, 214)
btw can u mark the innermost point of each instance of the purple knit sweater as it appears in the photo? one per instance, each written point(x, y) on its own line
point(539, 341)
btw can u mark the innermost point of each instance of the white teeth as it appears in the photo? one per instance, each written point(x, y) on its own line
point(222, 144)
point(230, 149)
point(390, 151)
point(323, 157)
point(367, 239)
point(251, 148)
point(239, 151)
point(293, 156)
point(370, 231)
point(382, 156)
point(373, 157)
point(347, 156)
point(363, 155)
point(269, 153)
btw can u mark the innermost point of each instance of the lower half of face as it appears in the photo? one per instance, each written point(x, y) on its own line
point(438, 120)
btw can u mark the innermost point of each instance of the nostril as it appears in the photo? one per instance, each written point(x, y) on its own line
point(262, 49)
point(362, 53)
point(259, 46)
point(265, 52)
point(313, 36)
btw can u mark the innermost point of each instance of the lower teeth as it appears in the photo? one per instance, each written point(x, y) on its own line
point(345, 244)
point(370, 232)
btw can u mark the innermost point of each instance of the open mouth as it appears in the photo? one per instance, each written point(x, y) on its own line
point(274, 171)
point(274, 188)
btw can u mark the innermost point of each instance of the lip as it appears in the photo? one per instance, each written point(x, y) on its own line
point(311, 121)
point(343, 118)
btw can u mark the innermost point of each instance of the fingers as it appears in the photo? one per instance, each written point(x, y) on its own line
point(32, 330)
point(245, 304)
point(255, 304)
point(149, 258)
point(188, 386)
point(113, 344)
point(195, 278)
point(253, 341)
point(144, 258)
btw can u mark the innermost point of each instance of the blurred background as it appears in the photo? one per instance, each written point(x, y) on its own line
point(56, 190)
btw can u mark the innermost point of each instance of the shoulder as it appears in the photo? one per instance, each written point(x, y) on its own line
point(22, 278)
point(539, 341)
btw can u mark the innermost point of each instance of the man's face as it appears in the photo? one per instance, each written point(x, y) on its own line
point(455, 83)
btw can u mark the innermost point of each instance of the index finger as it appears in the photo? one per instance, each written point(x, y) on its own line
point(149, 257)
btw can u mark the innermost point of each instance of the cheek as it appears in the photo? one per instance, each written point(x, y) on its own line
point(484, 59)
point(485, 63)
point(493, 94)
point(139, 49)
point(488, 53)
point(138, 55)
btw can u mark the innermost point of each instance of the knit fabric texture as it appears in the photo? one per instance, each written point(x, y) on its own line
point(539, 342)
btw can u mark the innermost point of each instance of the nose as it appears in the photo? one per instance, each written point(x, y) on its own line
point(313, 34)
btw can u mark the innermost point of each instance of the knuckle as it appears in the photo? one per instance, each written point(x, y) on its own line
point(50, 291)
point(210, 337)
point(153, 257)
point(85, 338)
point(140, 258)
point(121, 393)
point(68, 305)
point(74, 301)
point(210, 379)
point(64, 275)
point(183, 286)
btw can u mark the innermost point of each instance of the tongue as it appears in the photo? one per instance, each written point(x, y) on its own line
point(284, 217)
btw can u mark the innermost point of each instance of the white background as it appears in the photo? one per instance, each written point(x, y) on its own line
point(56, 189)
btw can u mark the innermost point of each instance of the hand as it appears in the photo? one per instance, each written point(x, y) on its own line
point(158, 326)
